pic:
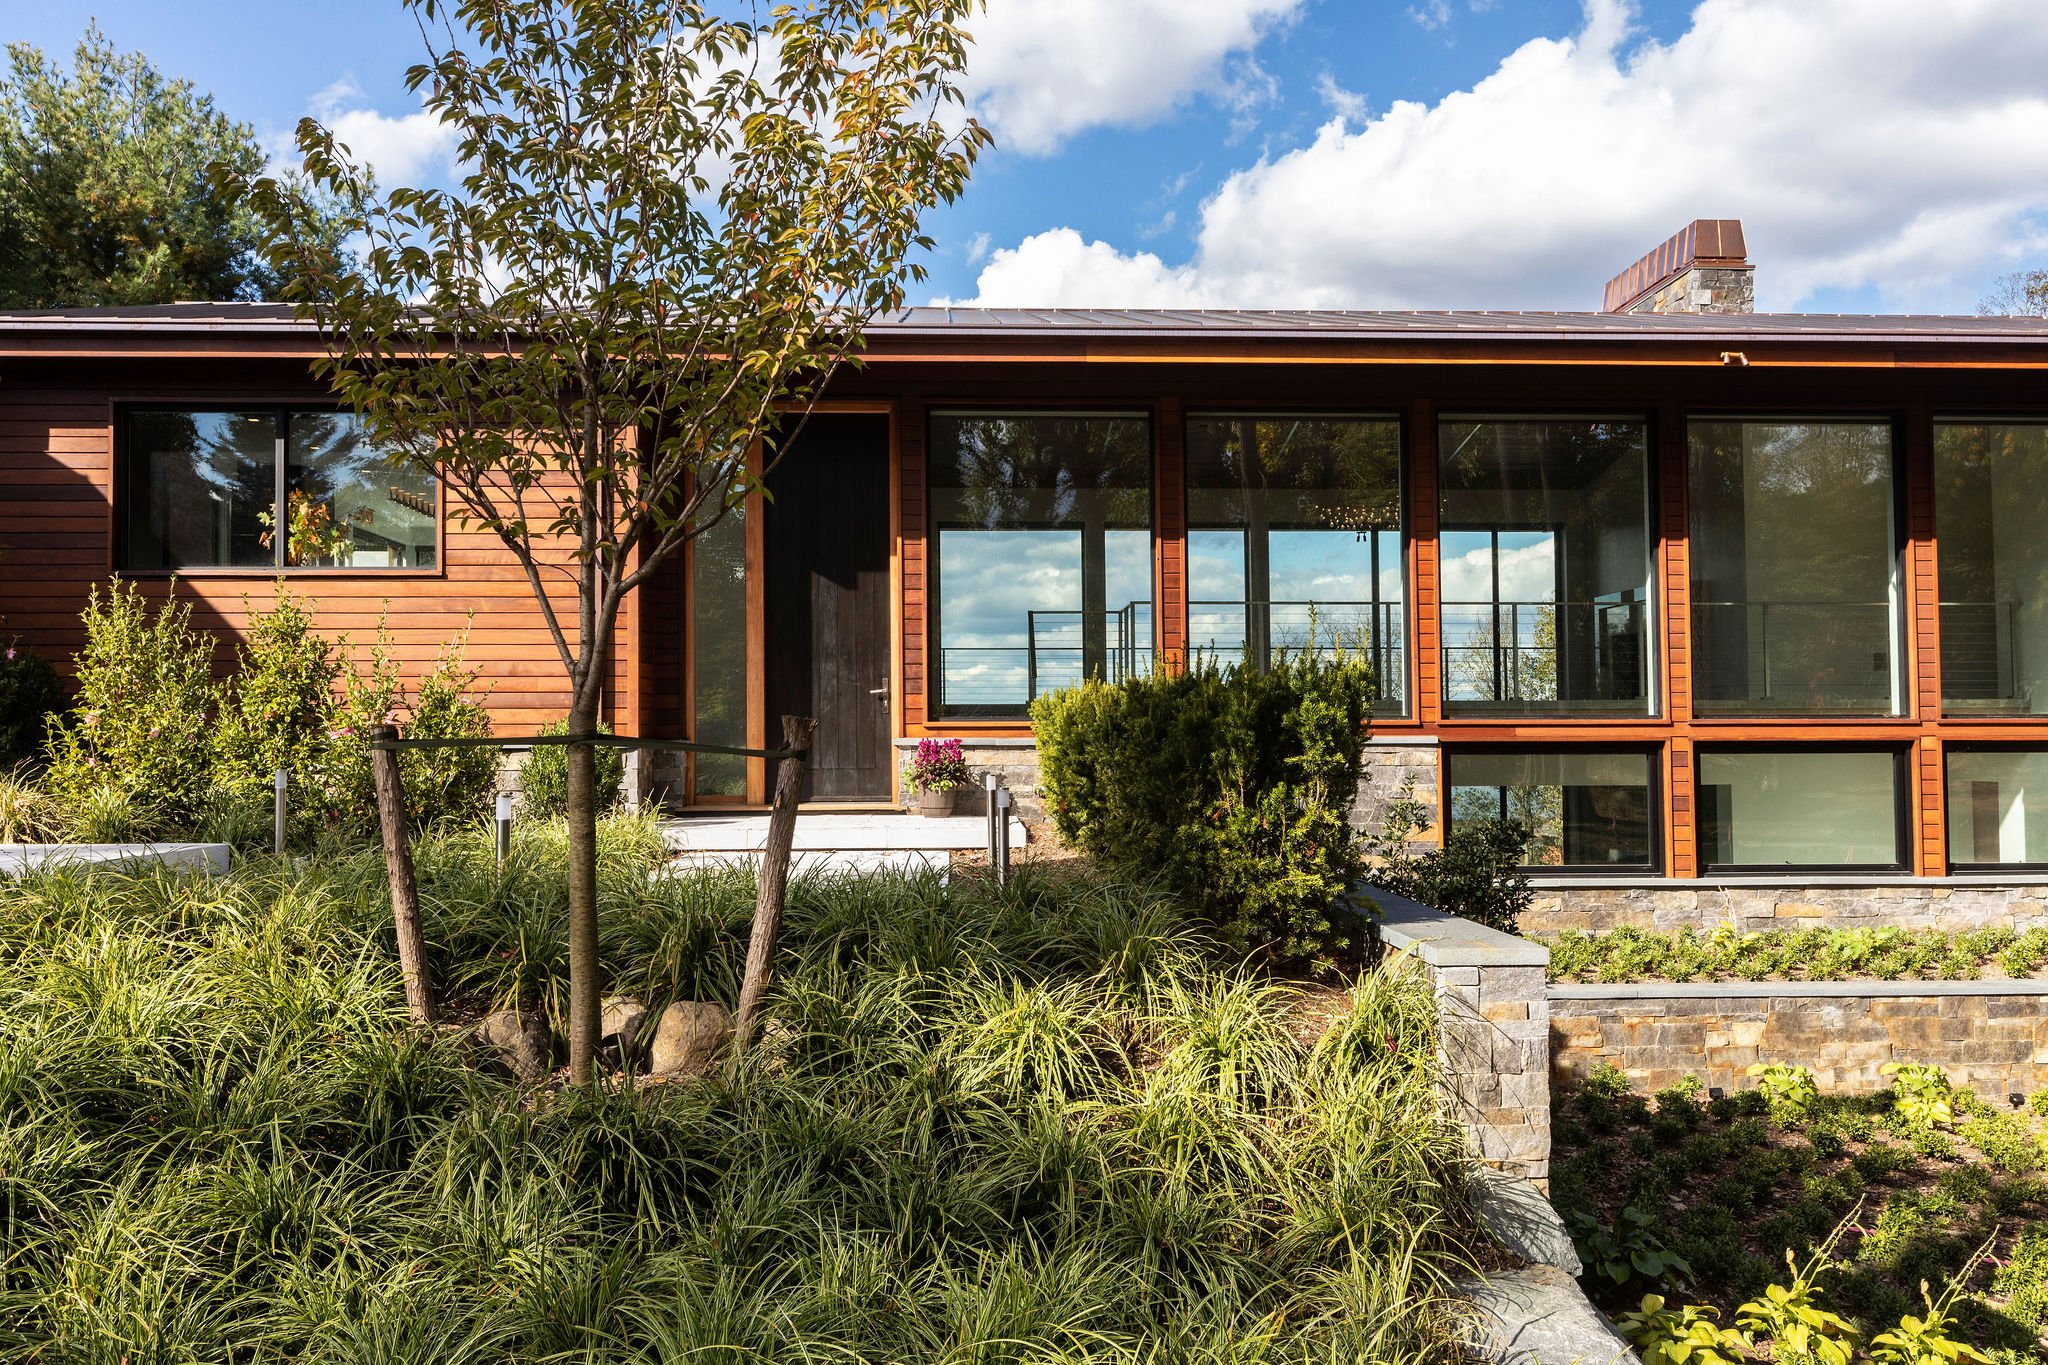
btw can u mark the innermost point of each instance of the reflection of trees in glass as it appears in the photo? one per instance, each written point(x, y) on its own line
point(1312, 473)
point(370, 504)
point(718, 608)
point(1528, 674)
point(1041, 470)
point(1793, 564)
point(1541, 808)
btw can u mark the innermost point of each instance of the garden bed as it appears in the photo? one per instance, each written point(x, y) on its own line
point(1727, 1185)
point(1037, 1121)
point(1822, 954)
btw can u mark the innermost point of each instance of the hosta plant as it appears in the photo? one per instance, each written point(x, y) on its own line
point(1681, 1335)
point(1791, 1318)
point(1921, 1095)
point(1789, 1090)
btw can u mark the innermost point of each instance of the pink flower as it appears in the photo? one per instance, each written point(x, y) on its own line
point(10, 653)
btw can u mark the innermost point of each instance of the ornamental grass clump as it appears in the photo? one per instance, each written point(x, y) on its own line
point(1024, 1123)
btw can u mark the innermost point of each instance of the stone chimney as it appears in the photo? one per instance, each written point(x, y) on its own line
point(1704, 268)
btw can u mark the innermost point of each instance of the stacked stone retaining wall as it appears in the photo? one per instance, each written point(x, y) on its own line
point(1990, 1036)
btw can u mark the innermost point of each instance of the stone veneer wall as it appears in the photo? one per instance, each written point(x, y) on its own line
point(1494, 1028)
point(1389, 764)
point(1014, 760)
point(1991, 1036)
point(1753, 903)
point(1703, 289)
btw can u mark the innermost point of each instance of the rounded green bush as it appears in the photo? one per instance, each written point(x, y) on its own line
point(544, 779)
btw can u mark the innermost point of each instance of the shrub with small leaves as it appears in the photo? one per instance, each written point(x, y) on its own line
point(440, 784)
point(544, 776)
point(1229, 785)
point(1476, 874)
point(31, 694)
point(277, 707)
point(140, 724)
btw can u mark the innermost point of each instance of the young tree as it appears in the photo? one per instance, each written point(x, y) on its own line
point(672, 228)
point(105, 192)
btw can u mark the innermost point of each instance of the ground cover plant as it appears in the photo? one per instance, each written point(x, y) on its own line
point(1821, 954)
point(1032, 1123)
point(1697, 1201)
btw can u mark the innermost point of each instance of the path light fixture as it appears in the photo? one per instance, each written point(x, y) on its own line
point(504, 822)
point(989, 783)
point(278, 782)
point(1002, 818)
point(2016, 1099)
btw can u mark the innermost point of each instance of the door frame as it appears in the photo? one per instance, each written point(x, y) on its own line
point(759, 780)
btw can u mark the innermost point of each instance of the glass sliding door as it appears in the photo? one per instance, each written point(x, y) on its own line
point(1041, 526)
point(1294, 539)
point(1545, 554)
point(1795, 569)
point(1990, 508)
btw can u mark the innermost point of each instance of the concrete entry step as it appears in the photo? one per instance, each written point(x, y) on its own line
point(816, 862)
point(831, 833)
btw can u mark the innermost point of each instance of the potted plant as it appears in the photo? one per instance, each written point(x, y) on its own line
point(938, 770)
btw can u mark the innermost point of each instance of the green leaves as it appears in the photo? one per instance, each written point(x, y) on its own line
point(107, 194)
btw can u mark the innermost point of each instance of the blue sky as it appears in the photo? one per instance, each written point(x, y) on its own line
point(1883, 154)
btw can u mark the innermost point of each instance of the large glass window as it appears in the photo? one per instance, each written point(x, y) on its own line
point(1997, 807)
point(1545, 543)
point(1583, 809)
point(1042, 531)
point(1990, 505)
point(1799, 809)
point(1794, 569)
point(718, 660)
point(1294, 531)
point(204, 489)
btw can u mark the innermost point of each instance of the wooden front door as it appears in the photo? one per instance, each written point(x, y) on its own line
point(827, 602)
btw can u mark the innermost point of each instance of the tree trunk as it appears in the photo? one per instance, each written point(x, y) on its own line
point(585, 989)
point(405, 891)
point(789, 783)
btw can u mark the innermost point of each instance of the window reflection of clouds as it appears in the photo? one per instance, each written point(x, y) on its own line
point(1028, 511)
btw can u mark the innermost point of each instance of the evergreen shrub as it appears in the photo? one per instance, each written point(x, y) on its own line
point(30, 694)
point(544, 778)
point(1229, 785)
point(440, 784)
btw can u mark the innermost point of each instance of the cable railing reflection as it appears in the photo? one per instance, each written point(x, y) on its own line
point(1548, 653)
point(1980, 656)
point(1228, 630)
point(1804, 655)
point(1061, 649)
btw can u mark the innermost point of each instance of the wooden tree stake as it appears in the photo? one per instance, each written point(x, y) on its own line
point(789, 784)
point(405, 890)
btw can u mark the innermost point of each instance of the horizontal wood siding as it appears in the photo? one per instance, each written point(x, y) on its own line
point(57, 542)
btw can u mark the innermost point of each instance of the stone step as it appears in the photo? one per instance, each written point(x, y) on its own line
point(872, 833)
point(816, 862)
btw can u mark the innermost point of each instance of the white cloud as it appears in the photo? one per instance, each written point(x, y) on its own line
point(1347, 105)
point(1431, 14)
point(1043, 70)
point(1861, 145)
point(403, 150)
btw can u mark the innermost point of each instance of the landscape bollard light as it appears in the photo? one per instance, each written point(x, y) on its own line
point(277, 811)
point(990, 782)
point(504, 827)
point(1002, 836)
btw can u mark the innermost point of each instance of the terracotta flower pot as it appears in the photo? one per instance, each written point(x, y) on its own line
point(935, 805)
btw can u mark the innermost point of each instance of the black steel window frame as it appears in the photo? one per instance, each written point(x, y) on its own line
point(1654, 704)
point(935, 682)
point(1902, 814)
point(1651, 755)
point(1902, 677)
point(281, 413)
point(1401, 495)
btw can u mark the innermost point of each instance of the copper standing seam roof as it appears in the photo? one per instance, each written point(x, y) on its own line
point(939, 323)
